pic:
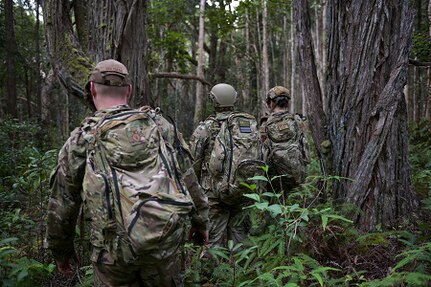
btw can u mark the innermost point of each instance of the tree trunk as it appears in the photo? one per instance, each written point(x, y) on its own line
point(308, 73)
point(117, 29)
point(38, 65)
point(369, 44)
point(11, 48)
point(293, 64)
point(131, 45)
point(200, 97)
point(265, 65)
point(246, 89)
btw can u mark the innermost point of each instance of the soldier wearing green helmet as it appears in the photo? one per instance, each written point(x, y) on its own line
point(218, 159)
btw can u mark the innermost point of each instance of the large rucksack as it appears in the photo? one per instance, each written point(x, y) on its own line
point(131, 177)
point(288, 149)
point(234, 157)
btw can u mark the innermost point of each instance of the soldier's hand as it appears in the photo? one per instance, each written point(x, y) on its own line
point(199, 237)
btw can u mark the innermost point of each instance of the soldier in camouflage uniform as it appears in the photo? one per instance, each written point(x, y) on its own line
point(110, 89)
point(284, 143)
point(226, 221)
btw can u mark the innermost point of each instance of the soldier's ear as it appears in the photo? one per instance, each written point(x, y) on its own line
point(93, 89)
point(129, 92)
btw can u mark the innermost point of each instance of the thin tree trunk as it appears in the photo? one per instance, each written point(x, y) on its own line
point(38, 65)
point(265, 65)
point(246, 90)
point(11, 48)
point(200, 100)
point(27, 94)
point(323, 50)
point(293, 64)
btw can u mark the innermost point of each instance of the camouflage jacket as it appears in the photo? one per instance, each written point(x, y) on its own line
point(67, 197)
point(201, 145)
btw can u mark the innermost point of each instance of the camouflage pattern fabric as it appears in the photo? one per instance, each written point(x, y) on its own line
point(224, 224)
point(286, 149)
point(181, 151)
point(107, 272)
point(71, 187)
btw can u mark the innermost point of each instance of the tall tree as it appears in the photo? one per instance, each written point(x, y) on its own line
point(11, 49)
point(200, 98)
point(265, 64)
point(368, 50)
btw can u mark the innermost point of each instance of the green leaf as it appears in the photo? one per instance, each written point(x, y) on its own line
point(335, 216)
point(218, 253)
point(324, 221)
point(318, 277)
point(230, 244)
point(252, 186)
point(304, 215)
point(293, 207)
point(261, 205)
point(258, 177)
point(22, 275)
point(270, 194)
point(275, 209)
point(253, 196)
point(265, 168)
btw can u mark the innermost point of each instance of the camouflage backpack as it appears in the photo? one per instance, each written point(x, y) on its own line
point(288, 148)
point(234, 157)
point(130, 176)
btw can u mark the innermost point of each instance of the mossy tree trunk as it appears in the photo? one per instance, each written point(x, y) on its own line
point(368, 48)
point(102, 29)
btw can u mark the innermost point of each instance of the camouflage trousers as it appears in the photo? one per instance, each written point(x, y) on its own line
point(107, 273)
point(226, 223)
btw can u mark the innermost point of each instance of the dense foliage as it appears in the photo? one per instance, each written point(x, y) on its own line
point(297, 239)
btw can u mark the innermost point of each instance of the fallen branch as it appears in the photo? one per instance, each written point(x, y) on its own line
point(180, 76)
point(419, 64)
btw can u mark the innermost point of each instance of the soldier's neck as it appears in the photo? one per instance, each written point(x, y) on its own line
point(279, 110)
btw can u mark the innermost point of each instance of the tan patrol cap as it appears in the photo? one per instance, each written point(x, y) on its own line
point(278, 91)
point(110, 73)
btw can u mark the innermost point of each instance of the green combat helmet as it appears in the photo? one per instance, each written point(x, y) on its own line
point(109, 73)
point(277, 91)
point(223, 95)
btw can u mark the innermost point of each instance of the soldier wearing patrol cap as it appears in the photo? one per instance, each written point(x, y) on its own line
point(284, 144)
point(109, 89)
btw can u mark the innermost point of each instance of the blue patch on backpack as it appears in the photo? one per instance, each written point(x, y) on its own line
point(245, 130)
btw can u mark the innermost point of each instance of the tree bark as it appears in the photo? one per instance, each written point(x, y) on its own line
point(293, 64)
point(116, 29)
point(11, 49)
point(265, 65)
point(200, 98)
point(369, 44)
point(308, 73)
point(38, 62)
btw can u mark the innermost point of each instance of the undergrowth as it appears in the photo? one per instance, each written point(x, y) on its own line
point(296, 239)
